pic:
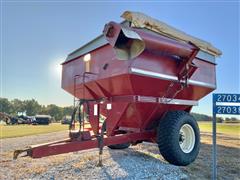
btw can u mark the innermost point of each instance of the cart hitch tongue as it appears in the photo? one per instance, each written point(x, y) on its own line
point(25, 152)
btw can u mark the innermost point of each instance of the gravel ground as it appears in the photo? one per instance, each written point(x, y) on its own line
point(10, 144)
point(118, 164)
point(136, 162)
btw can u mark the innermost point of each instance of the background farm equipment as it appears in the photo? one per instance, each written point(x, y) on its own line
point(42, 120)
point(26, 119)
point(11, 120)
point(66, 120)
point(136, 82)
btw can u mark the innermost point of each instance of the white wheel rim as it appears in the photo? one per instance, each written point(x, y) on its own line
point(186, 138)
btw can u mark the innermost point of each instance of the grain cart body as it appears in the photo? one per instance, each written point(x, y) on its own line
point(133, 74)
point(137, 87)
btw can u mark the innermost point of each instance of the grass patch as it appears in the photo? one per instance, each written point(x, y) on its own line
point(225, 128)
point(9, 131)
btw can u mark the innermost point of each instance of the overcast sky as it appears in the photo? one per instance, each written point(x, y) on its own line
point(37, 36)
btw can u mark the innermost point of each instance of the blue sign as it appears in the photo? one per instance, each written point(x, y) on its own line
point(221, 108)
point(231, 98)
point(234, 110)
point(222, 104)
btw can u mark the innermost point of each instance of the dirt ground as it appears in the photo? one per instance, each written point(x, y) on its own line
point(118, 164)
point(228, 157)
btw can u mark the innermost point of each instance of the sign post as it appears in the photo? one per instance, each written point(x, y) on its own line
point(222, 104)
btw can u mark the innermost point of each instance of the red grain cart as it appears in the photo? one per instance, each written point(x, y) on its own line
point(136, 82)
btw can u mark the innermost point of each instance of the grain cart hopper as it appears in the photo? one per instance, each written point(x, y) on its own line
point(136, 82)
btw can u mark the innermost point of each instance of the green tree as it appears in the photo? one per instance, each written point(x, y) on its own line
point(201, 117)
point(31, 107)
point(5, 105)
point(219, 119)
point(67, 111)
point(43, 110)
point(232, 120)
point(227, 120)
point(17, 106)
point(55, 111)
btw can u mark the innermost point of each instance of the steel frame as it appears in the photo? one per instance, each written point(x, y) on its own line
point(71, 145)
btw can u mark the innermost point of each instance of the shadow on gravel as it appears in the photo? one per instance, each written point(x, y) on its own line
point(228, 160)
point(141, 164)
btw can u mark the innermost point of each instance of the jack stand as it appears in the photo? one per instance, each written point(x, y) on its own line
point(100, 164)
point(100, 144)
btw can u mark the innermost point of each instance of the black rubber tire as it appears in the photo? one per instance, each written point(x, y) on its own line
point(168, 138)
point(119, 146)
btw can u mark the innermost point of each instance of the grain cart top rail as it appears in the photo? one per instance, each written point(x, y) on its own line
point(136, 82)
point(140, 20)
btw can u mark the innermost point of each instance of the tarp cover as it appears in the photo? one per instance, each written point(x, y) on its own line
point(141, 20)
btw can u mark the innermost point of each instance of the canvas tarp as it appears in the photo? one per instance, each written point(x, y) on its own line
point(141, 20)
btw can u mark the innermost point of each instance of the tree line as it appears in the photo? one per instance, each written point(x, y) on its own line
point(32, 107)
point(203, 117)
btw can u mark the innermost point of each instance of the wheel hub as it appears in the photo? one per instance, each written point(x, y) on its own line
point(186, 138)
point(181, 138)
